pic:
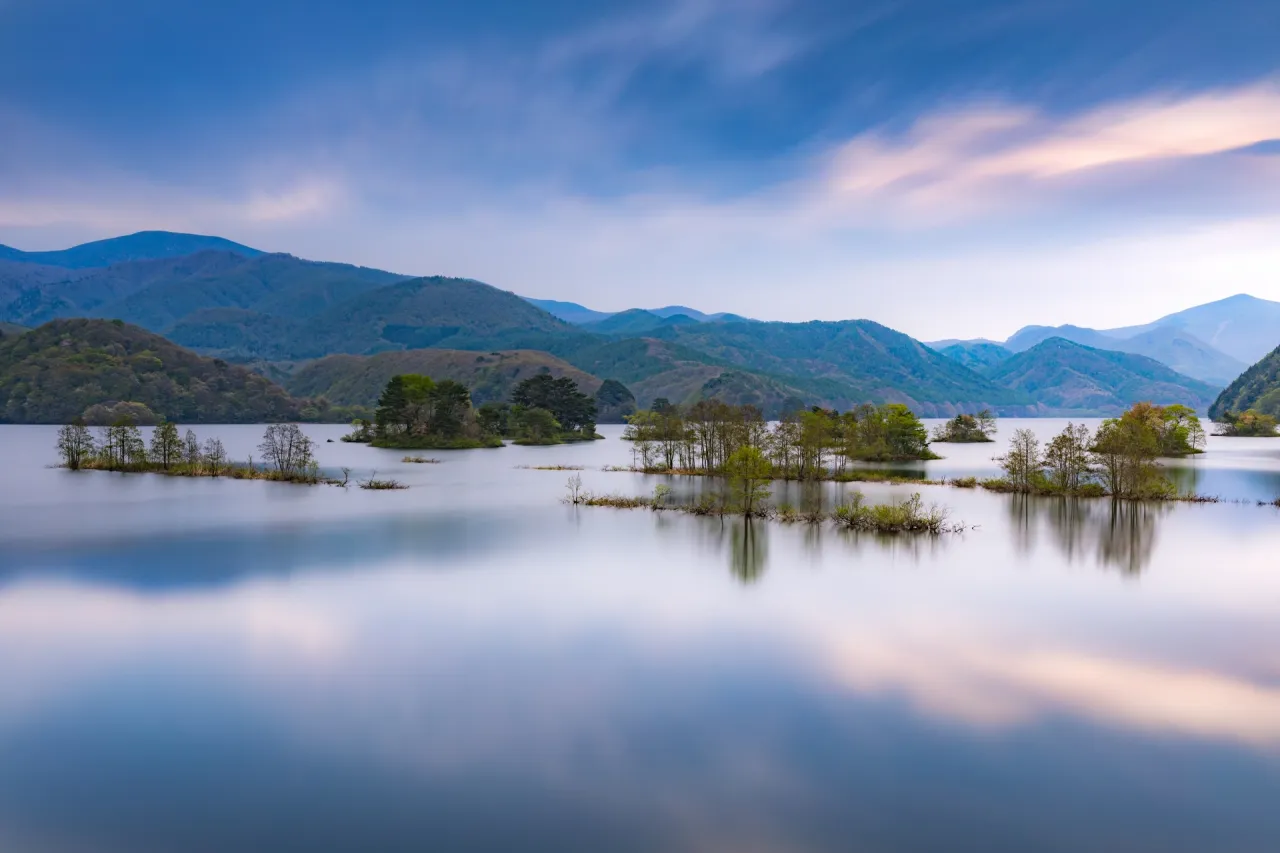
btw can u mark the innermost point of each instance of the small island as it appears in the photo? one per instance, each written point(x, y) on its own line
point(817, 444)
point(966, 429)
point(417, 413)
point(1247, 424)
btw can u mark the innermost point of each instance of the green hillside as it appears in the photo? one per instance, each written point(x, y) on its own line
point(859, 360)
point(1067, 377)
point(636, 322)
point(358, 380)
point(1258, 388)
point(978, 356)
point(452, 313)
point(11, 329)
point(54, 373)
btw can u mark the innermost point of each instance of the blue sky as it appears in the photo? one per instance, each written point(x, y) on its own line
point(948, 168)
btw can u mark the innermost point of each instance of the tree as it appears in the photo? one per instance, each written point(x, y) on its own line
point(1248, 423)
point(967, 428)
point(1066, 458)
point(534, 426)
point(75, 444)
point(215, 456)
point(493, 418)
point(1125, 450)
point(285, 448)
point(575, 411)
point(907, 437)
point(749, 473)
point(1022, 463)
point(448, 403)
point(166, 447)
point(191, 449)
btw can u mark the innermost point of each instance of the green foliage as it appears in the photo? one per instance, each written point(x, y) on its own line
point(1247, 424)
point(416, 412)
point(534, 425)
point(573, 410)
point(166, 447)
point(905, 516)
point(69, 368)
point(1257, 389)
point(967, 428)
point(813, 444)
point(749, 472)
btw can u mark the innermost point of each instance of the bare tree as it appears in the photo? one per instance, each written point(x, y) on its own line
point(215, 456)
point(285, 448)
point(75, 444)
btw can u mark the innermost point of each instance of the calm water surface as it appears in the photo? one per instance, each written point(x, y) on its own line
point(208, 665)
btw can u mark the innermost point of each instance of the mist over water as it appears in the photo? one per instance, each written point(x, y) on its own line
point(206, 665)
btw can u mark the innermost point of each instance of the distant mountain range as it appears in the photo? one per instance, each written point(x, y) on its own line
point(1073, 379)
point(1214, 342)
point(143, 246)
point(335, 329)
point(572, 312)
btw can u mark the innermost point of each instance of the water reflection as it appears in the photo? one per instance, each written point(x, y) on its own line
point(1117, 534)
point(748, 549)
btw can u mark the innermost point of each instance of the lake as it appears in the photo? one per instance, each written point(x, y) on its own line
point(215, 665)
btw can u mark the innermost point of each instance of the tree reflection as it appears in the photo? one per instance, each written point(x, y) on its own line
point(1129, 536)
point(748, 549)
point(1120, 533)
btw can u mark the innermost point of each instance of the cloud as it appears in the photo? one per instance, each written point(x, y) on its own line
point(990, 157)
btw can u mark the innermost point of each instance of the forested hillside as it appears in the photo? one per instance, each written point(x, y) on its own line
point(1067, 377)
point(56, 372)
point(358, 380)
point(1258, 388)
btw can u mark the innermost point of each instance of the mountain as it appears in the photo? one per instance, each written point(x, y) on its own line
point(635, 322)
point(1069, 378)
point(356, 380)
point(580, 315)
point(1170, 345)
point(156, 294)
point(11, 329)
point(978, 356)
point(570, 312)
point(852, 361)
point(143, 246)
point(1257, 388)
point(54, 373)
point(1242, 326)
point(451, 313)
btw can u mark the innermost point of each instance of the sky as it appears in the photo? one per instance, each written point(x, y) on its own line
point(950, 168)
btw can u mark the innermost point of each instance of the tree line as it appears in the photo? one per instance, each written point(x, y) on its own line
point(807, 445)
point(286, 452)
point(415, 411)
point(1119, 459)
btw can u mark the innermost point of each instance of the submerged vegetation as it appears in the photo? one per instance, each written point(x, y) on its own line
point(809, 445)
point(967, 429)
point(1250, 423)
point(747, 496)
